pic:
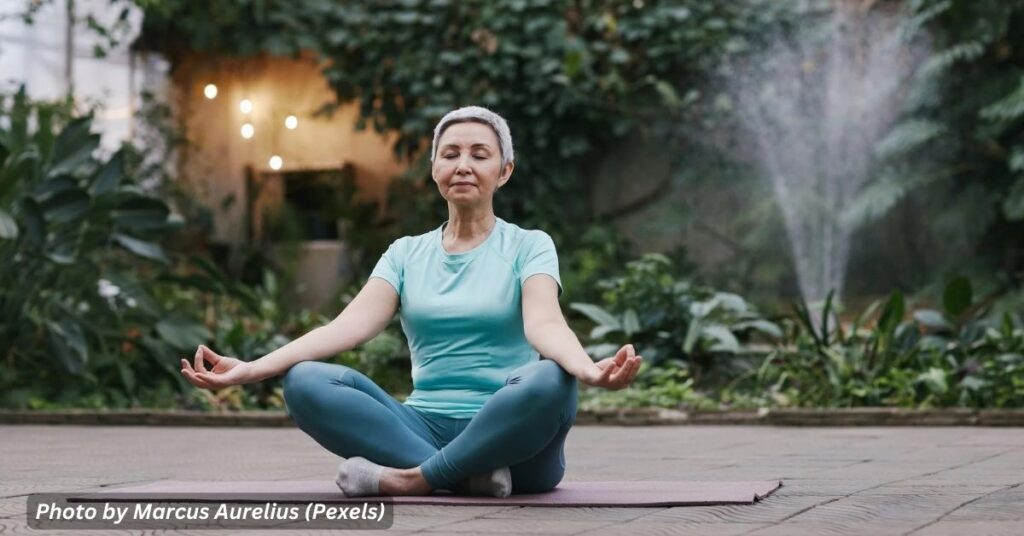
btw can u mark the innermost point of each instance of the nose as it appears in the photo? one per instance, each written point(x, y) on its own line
point(463, 167)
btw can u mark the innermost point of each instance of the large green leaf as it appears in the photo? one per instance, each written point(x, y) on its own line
point(33, 224)
point(109, 176)
point(141, 248)
point(141, 214)
point(8, 227)
point(892, 313)
point(596, 314)
point(957, 296)
point(183, 334)
point(66, 206)
point(73, 147)
point(724, 340)
point(67, 344)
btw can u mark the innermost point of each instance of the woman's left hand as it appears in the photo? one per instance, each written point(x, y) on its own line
point(614, 372)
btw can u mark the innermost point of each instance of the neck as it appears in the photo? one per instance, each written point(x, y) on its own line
point(468, 225)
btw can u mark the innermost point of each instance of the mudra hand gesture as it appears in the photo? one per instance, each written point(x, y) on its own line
point(226, 371)
point(614, 372)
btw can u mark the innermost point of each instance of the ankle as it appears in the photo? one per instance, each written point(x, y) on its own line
point(404, 482)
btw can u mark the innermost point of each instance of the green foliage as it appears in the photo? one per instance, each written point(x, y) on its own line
point(954, 146)
point(667, 386)
point(570, 76)
point(78, 236)
point(958, 356)
point(666, 318)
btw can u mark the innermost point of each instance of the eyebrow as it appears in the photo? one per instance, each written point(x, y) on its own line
point(474, 146)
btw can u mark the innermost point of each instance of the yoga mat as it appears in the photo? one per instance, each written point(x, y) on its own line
point(611, 493)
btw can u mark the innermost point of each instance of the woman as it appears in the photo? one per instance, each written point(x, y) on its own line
point(479, 300)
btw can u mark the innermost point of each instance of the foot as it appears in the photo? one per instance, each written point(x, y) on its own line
point(359, 477)
point(497, 483)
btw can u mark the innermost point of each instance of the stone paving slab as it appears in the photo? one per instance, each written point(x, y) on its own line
point(879, 480)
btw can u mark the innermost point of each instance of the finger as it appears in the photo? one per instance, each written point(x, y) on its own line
point(214, 381)
point(194, 379)
point(630, 351)
point(200, 366)
point(620, 356)
point(210, 355)
point(628, 371)
point(634, 370)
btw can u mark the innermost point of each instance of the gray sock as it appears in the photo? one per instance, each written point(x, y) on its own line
point(497, 483)
point(359, 477)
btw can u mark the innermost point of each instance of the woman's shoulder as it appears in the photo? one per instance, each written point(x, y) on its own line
point(519, 238)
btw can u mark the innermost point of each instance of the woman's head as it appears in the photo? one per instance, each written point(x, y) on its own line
point(471, 154)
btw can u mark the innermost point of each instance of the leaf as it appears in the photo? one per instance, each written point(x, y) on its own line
point(935, 380)
point(601, 331)
point(692, 334)
point(141, 214)
point(67, 344)
point(73, 147)
point(725, 340)
point(892, 313)
point(932, 319)
point(907, 136)
point(764, 326)
point(1013, 205)
point(630, 322)
point(601, 351)
point(67, 206)
point(596, 314)
point(109, 175)
point(141, 248)
point(182, 333)
point(957, 296)
point(8, 227)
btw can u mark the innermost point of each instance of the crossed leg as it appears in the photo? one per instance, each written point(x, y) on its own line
point(522, 426)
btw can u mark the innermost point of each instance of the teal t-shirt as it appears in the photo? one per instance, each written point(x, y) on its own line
point(462, 312)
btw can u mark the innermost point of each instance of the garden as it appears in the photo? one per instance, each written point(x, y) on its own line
point(780, 204)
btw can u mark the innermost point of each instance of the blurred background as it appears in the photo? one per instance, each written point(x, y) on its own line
point(779, 202)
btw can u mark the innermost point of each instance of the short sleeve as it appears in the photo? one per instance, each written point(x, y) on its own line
point(389, 267)
point(539, 257)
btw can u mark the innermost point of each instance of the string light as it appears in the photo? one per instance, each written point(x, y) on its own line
point(275, 162)
point(245, 106)
point(248, 130)
point(210, 91)
point(291, 122)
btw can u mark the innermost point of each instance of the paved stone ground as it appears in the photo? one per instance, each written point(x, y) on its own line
point(877, 481)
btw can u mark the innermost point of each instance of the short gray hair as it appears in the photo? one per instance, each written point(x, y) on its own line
point(477, 114)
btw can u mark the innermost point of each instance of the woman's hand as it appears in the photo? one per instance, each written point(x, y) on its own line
point(614, 372)
point(226, 371)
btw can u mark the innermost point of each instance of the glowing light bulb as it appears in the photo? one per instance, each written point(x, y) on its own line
point(245, 106)
point(210, 91)
point(291, 122)
point(248, 130)
point(276, 162)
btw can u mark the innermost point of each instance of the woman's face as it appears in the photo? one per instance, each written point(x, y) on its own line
point(467, 166)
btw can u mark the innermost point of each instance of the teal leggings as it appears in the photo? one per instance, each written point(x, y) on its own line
point(522, 426)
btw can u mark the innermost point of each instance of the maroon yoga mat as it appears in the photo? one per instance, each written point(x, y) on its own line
point(626, 493)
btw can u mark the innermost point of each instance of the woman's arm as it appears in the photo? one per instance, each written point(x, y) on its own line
point(367, 314)
point(361, 320)
point(548, 332)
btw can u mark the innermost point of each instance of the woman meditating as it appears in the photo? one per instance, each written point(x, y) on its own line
point(478, 299)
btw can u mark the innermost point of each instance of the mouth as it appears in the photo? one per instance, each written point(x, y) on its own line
point(463, 184)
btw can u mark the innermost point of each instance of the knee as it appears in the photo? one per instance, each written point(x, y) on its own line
point(549, 386)
point(538, 483)
point(301, 379)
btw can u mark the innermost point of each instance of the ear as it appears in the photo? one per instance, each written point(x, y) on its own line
point(506, 174)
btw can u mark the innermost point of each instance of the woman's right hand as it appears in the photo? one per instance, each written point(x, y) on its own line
point(226, 371)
